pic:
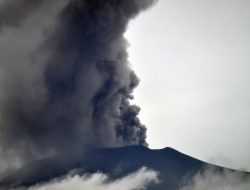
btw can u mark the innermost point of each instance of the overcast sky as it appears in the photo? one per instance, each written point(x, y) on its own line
point(193, 59)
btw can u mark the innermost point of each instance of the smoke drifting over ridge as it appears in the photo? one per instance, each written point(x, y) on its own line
point(65, 81)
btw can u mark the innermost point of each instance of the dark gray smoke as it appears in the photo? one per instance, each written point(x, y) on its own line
point(65, 80)
point(14, 12)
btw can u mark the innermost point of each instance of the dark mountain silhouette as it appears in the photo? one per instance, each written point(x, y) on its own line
point(174, 168)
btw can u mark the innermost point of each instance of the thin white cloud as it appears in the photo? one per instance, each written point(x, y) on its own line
point(135, 181)
point(212, 180)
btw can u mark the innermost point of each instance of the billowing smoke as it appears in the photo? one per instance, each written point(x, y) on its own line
point(65, 82)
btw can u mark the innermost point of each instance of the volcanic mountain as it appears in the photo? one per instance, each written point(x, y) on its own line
point(174, 168)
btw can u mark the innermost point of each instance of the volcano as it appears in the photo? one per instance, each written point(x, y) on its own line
point(175, 169)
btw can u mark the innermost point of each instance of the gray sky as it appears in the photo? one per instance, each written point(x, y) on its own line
point(193, 59)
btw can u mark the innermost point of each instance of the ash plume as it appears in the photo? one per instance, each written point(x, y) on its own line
point(65, 80)
point(14, 12)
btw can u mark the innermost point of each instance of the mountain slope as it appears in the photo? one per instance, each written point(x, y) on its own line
point(174, 167)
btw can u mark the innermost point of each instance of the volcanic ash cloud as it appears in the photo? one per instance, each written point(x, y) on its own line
point(65, 81)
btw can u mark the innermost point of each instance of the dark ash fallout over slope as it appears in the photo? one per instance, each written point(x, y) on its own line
point(65, 79)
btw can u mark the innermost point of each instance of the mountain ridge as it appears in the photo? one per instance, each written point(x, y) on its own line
point(174, 167)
